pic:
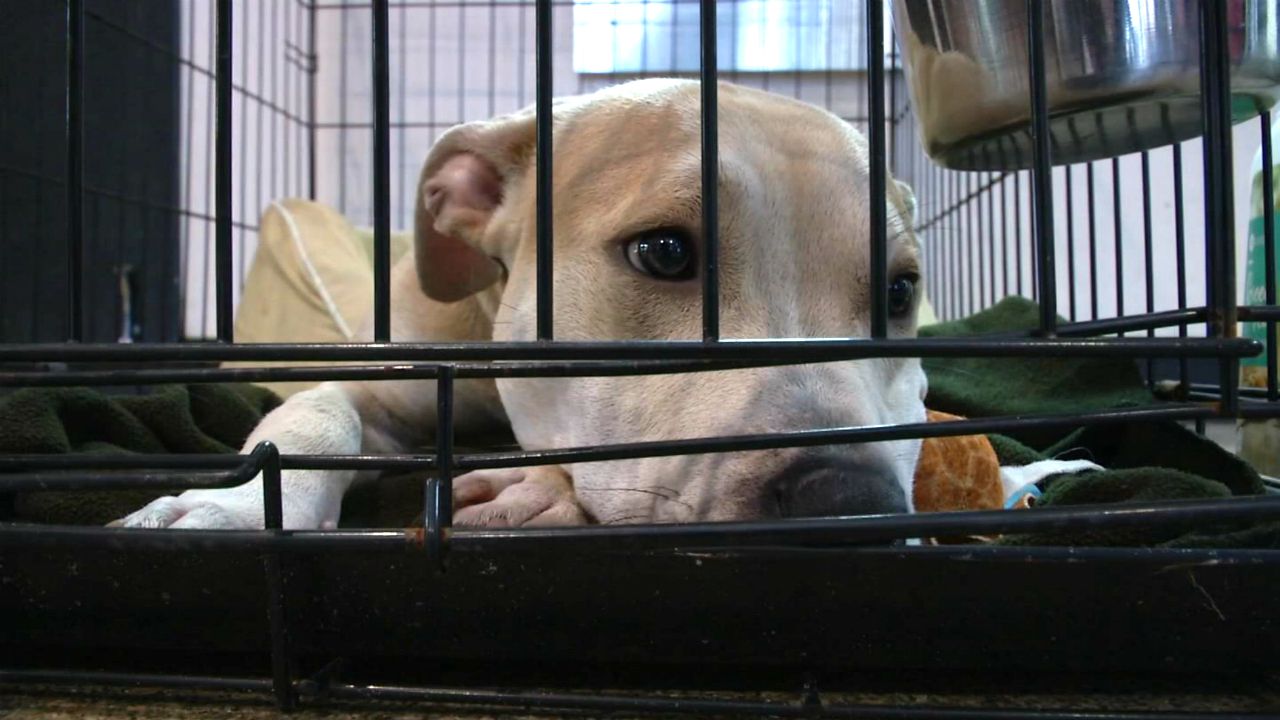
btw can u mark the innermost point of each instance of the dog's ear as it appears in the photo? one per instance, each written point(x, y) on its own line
point(463, 183)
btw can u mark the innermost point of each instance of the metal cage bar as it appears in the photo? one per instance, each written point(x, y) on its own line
point(381, 172)
point(1215, 89)
point(796, 351)
point(878, 211)
point(223, 182)
point(75, 169)
point(439, 508)
point(1269, 252)
point(710, 139)
point(1180, 253)
point(544, 122)
point(1042, 175)
point(1148, 256)
point(266, 457)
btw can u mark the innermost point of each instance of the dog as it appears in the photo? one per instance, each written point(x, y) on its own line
point(794, 262)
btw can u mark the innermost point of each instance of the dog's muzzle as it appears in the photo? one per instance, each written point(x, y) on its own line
point(826, 486)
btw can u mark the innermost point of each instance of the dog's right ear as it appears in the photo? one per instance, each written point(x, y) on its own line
point(462, 185)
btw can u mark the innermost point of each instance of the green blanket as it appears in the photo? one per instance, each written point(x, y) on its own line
point(1144, 461)
point(170, 419)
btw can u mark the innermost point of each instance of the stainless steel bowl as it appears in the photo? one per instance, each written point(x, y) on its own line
point(1122, 75)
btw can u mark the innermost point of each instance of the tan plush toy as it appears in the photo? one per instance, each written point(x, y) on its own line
point(957, 473)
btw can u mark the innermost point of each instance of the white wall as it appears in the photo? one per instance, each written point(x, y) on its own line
point(269, 141)
point(1074, 258)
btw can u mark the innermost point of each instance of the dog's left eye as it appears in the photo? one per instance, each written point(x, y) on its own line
point(902, 291)
point(663, 254)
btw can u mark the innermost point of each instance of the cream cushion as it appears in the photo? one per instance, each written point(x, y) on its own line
point(311, 280)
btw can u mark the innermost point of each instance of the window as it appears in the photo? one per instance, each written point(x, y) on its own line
point(661, 36)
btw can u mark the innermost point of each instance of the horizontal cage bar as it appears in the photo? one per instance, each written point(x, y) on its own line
point(794, 351)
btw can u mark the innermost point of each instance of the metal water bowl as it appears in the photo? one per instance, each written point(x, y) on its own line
point(1121, 75)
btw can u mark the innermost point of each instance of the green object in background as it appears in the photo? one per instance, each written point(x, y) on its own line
point(1255, 269)
point(1260, 439)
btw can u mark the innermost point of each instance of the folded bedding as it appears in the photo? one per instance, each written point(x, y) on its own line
point(1143, 461)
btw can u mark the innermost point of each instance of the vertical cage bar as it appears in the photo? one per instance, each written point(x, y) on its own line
point(493, 57)
point(982, 248)
point(250, 94)
point(248, 100)
point(1042, 177)
point(1090, 208)
point(1117, 236)
point(940, 283)
point(402, 54)
point(1004, 233)
point(462, 65)
point(313, 70)
point(953, 201)
point(1180, 254)
point(543, 93)
point(188, 180)
point(879, 210)
point(1269, 252)
point(444, 444)
point(439, 510)
point(1017, 227)
point(710, 174)
point(971, 249)
point(222, 179)
point(381, 172)
point(1071, 246)
point(1215, 90)
point(273, 519)
point(1148, 256)
point(989, 239)
point(207, 267)
point(75, 170)
point(343, 71)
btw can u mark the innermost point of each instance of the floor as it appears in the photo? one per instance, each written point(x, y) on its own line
point(1233, 697)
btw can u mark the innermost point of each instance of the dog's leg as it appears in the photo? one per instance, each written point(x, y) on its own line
point(517, 497)
point(322, 420)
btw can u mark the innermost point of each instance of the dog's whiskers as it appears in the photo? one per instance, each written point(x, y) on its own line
point(653, 490)
point(673, 497)
point(616, 520)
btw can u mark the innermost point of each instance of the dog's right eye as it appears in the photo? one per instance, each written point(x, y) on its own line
point(664, 254)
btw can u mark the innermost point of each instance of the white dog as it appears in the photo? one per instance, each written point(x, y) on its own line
point(794, 229)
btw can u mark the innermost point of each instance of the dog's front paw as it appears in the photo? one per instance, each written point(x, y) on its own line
point(516, 497)
point(194, 512)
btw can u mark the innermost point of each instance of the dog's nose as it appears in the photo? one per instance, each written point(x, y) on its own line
point(824, 487)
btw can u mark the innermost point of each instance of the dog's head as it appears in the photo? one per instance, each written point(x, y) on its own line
point(794, 258)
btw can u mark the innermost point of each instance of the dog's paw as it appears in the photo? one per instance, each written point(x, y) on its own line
point(516, 497)
point(194, 512)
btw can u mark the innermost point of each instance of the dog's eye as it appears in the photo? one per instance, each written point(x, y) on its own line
point(663, 254)
point(902, 291)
